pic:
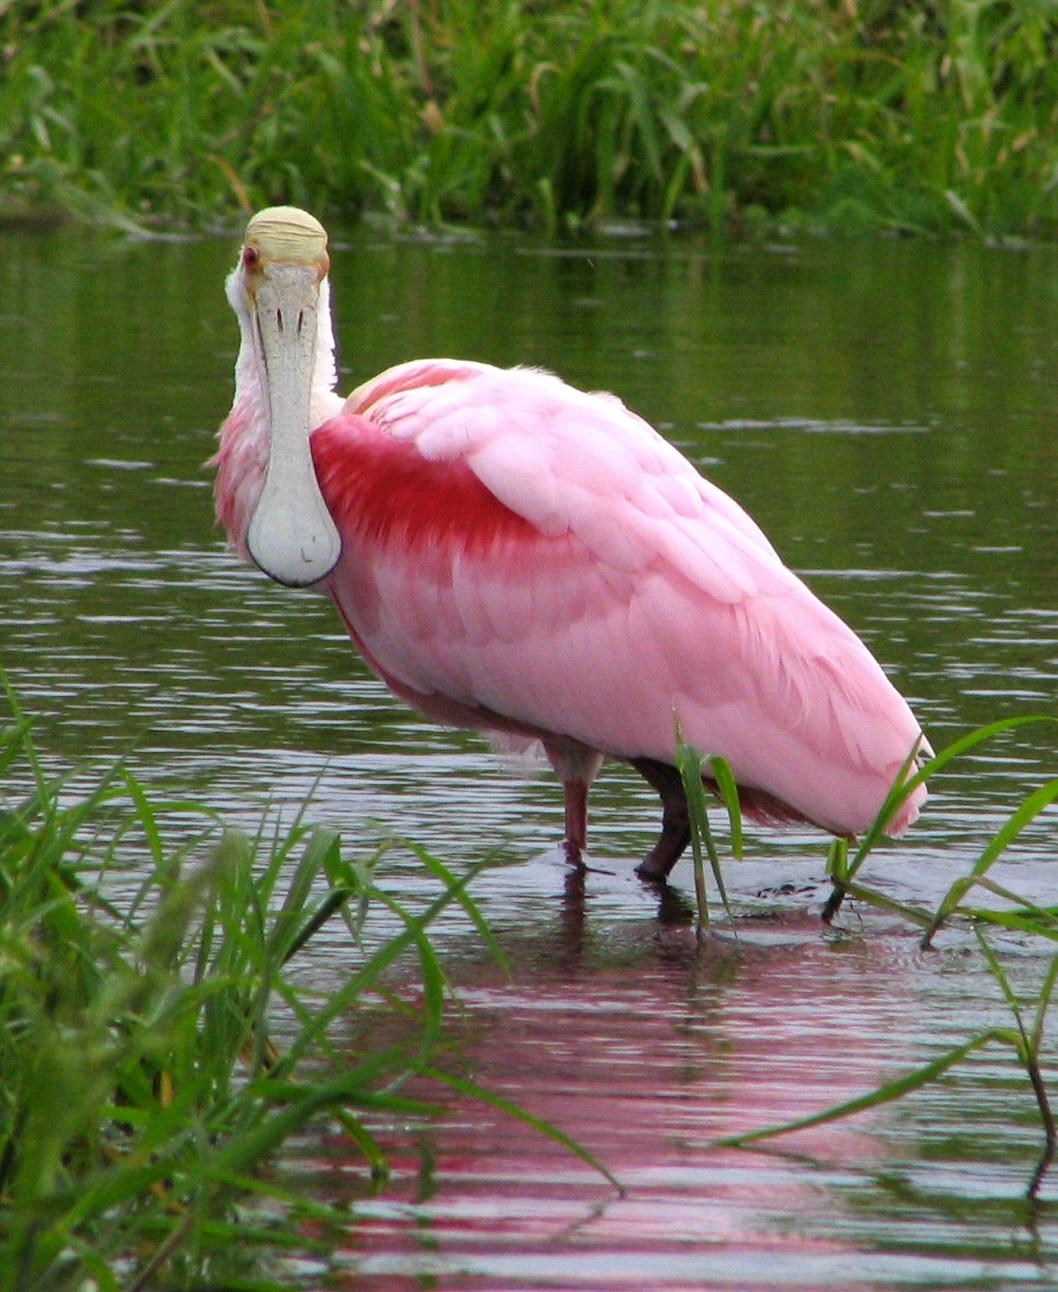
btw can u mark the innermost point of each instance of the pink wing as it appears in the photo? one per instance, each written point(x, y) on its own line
point(521, 555)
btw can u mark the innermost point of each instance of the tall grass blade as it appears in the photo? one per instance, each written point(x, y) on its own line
point(464, 1087)
point(904, 785)
point(1043, 1004)
point(881, 1095)
point(1025, 813)
point(447, 877)
point(689, 766)
point(1029, 1055)
point(728, 791)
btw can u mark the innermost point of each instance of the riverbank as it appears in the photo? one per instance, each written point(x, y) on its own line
point(848, 117)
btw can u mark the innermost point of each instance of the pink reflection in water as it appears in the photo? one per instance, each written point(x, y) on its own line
point(645, 1051)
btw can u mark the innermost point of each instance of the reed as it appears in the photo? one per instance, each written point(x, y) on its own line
point(156, 1052)
point(852, 116)
point(1024, 1041)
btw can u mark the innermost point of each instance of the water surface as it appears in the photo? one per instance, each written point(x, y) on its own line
point(886, 412)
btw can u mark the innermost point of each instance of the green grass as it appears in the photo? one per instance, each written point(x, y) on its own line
point(154, 1053)
point(1018, 914)
point(856, 115)
point(1024, 1043)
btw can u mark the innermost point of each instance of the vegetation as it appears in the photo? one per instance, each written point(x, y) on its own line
point(736, 114)
point(1016, 913)
point(155, 1052)
point(141, 1083)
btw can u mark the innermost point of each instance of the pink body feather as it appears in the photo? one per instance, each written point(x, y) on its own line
point(522, 557)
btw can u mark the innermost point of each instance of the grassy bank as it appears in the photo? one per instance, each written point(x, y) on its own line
point(156, 1050)
point(850, 114)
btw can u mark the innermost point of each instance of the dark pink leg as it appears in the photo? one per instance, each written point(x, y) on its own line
point(675, 827)
point(576, 840)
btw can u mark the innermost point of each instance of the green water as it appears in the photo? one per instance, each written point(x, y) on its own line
point(886, 412)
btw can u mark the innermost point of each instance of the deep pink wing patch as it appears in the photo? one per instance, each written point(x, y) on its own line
point(384, 491)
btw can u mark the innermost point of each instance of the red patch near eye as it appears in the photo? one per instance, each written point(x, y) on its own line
point(250, 258)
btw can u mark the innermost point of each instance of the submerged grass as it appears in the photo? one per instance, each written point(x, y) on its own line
point(141, 1082)
point(858, 115)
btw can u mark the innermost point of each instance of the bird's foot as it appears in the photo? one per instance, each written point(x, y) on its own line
point(573, 853)
point(651, 872)
point(659, 861)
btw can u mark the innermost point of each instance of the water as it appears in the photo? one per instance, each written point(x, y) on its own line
point(885, 411)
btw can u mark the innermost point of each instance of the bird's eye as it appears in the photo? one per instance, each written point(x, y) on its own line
point(250, 258)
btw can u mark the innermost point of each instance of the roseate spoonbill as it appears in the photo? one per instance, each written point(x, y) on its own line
point(515, 556)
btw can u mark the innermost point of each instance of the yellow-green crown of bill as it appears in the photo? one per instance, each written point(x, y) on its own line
point(287, 233)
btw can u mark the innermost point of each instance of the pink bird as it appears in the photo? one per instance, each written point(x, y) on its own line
point(518, 557)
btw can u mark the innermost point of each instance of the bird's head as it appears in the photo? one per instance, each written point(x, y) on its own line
point(275, 289)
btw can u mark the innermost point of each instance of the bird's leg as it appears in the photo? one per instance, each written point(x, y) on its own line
point(675, 822)
point(576, 766)
point(576, 837)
